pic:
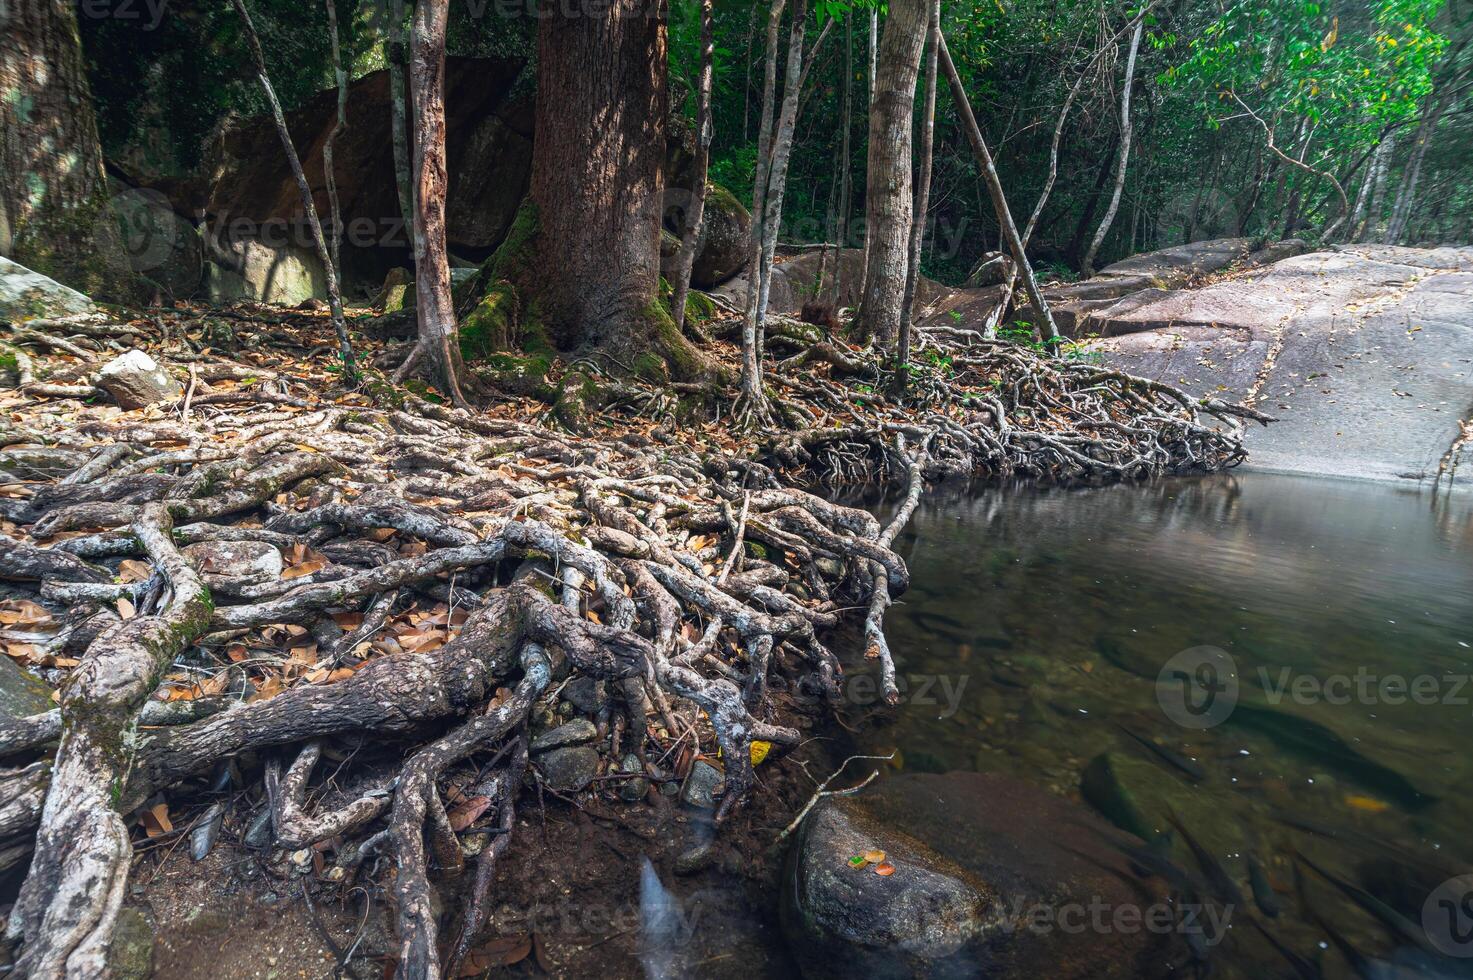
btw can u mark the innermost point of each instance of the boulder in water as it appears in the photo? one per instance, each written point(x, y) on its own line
point(993, 877)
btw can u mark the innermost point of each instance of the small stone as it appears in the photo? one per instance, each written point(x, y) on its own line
point(135, 380)
point(569, 769)
point(258, 834)
point(632, 790)
point(575, 732)
point(586, 694)
point(702, 785)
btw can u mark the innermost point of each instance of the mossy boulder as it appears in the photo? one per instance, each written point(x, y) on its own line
point(25, 295)
point(726, 236)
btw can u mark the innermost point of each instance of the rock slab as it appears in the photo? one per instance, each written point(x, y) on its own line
point(135, 380)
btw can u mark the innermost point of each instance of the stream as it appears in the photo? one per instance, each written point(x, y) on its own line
point(1281, 662)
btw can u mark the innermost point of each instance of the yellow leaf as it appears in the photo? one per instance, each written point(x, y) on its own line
point(759, 751)
point(126, 609)
point(156, 820)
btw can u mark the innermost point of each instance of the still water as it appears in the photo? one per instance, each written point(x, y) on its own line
point(1319, 703)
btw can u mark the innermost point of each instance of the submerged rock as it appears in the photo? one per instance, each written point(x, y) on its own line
point(569, 769)
point(992, 878)
point(135, 380)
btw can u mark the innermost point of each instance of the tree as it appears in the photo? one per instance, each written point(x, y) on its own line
point(888, 175)
point(439, 342)
point(1088, 265)
point(54, 214)
point(690, 240)
point(329, 271)
point(923, 196)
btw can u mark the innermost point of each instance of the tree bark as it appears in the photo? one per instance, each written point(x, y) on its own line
point(690, 239)
point(846, 175)
point(923, 197)
point(398, 56)
point(439, 340)
point(1406, 196)
point(334, 297)
point(888, 175)
point(1010, 234)
point(339, 126)
point(54, 213)
point(1125, 133)
point(597, 183)
point(751, 388)
point(874, 45)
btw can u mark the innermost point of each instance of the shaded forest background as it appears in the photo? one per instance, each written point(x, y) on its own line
point(1375, 95)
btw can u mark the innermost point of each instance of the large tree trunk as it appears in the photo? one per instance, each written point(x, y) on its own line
point(54, 214)
point(597, 183)
point(439, 341)
point(888, 177)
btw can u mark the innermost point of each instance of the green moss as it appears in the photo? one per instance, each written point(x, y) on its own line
point(514, 256)
point(699, 307)
point(491, 326)
point(680, 359)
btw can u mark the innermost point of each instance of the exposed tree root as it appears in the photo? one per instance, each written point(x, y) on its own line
point(450, 574)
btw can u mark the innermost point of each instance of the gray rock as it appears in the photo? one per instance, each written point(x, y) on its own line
point(156, 241)
point(702, 785)
point(573, 733)
point(21, 692)
point(989, 871)
point(25, 294)
point(725, 232)
point(569, 769)
point(253, 560)
point(632, 790)
point(135, 380)
point(284, 272)
point(130, 951)
point(587, 694)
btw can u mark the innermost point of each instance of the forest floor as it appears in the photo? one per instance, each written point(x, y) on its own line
point(352, 641)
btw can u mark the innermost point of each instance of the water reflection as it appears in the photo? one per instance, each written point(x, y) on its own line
point(1346, 611)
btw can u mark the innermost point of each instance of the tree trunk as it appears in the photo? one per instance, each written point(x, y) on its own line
point(597, 183)
point(888, 176)
point(690, 239)
point(874, 44)
point(923, 197)
point(398, 56)
point(439, 340)
point(1380, 164)
point(1010, 234)
point(340, 77)
point(1406, 196)
point(54, 213)
point(751, 394)
point(1125, 127)
point(334, 297)
point(846, 175)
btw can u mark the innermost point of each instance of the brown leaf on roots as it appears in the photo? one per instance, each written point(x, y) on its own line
point(156, 821)
point(501, 951)
point(469, 812)
point(22, 612)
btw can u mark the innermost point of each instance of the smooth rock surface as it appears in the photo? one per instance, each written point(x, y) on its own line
point(25, 295)
point(569, 769)
point(135, 380)
point(994, 878)
point(574, 732)
point(21, 692)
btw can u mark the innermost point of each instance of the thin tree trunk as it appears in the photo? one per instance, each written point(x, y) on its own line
point(334, 297)
point(1380, 164)
point(846, 176)
point(874, 41)
point(922, 202)
point(752, 395)
point(1406, 196)
point(888, 174)
point(1125, 131)
point(685, 257)
point(999, 200)
point(439, 339)
point(398, 57)
point(339, 126)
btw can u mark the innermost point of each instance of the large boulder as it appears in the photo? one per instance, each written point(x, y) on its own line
point(25, 295)
point(1360, 352)
point(279, 269)
point(135, 380)
point(794, 277)
point(726, 238)
point(993, 878)
point(158, 243)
